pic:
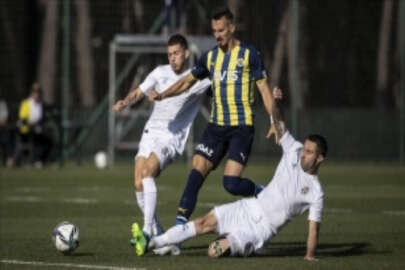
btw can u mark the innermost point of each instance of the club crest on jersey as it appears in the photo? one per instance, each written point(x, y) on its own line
point(304, 190)
point(239, 62)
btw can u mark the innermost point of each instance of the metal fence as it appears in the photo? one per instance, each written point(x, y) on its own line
point(336, 45)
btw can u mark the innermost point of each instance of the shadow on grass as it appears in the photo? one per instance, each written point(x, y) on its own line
point(280, 249)
point(283, 249)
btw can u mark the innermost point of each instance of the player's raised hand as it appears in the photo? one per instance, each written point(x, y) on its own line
point(121, 104)
point(277, 93)
point(273, 130)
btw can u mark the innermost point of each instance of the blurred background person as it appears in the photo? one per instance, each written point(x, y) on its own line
point(31, 127)
point(6, 143)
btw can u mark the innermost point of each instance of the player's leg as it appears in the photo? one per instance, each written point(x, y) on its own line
point(209, 153)
point(179, 233)
point(149, 171)
point(238, 155)
point(196, 177)
point(235, 184)
point(139, 163)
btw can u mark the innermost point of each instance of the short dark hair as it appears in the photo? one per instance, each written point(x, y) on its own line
point(321, 144)
point(178, 39)
point(222, 12)
point(36, 88)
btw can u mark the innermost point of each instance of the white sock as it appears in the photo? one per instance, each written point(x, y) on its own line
point(140, 200)
point(150, 197)
point(156, 227)
point(175, 235)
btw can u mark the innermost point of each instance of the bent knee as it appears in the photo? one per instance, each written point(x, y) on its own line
point(230, 184)
point(146, 172)
point(202, 164)
point(199, 225)
point(138, 184)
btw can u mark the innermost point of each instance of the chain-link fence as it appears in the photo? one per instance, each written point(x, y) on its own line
point(349, 62)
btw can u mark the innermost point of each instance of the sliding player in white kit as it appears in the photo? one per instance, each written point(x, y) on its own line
point(165, 134)
point(246, 225)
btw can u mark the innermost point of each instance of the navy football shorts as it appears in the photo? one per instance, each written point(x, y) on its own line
point(217, 141)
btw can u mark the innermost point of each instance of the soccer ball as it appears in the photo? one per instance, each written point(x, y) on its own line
point(65, 236)
point(100, 160)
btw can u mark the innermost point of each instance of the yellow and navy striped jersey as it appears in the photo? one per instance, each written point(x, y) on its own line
point(232, 75)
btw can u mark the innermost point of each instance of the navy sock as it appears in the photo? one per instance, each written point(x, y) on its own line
point(240, 186)
point(189, 198)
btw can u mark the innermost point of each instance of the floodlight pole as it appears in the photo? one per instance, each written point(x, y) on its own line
point(294, 72)
point(111, 100)
point(402, 82)
point(65, 77)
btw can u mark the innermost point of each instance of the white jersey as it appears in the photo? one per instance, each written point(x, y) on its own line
point(291, 191)
point(175, 114)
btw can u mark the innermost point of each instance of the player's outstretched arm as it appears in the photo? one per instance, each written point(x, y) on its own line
point(182, 85)
point(133, 96)
point(312, 241)
point(271, 108)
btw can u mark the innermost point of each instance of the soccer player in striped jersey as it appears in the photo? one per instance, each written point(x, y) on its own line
point(234, 68)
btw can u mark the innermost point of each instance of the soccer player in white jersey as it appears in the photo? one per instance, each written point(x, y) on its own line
point(166, 131)
point(246, 225)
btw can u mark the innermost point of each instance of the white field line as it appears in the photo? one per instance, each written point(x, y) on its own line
point(33, 199)
point(338, 210)
point(80, 200)
point(23, 199)
point(71, 265)
point(394, 213)
point(209, 204)
point(33, 189)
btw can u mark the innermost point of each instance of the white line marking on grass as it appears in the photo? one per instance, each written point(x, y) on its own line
point(395, 213)
point(80, 201)
point(33, 189)
point(209, 204)
point(338, 210)
point(23, 199)
point(71, 265)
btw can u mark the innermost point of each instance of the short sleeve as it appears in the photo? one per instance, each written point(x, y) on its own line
point(149, 83)
point(288, 143)
point(258, 71)
point(315, 210)
point(291, 148)
point(200, 70)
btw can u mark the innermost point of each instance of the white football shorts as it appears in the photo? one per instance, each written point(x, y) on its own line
point(163, 144)
point(244, 225)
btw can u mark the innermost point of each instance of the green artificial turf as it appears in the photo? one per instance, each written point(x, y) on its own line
point(363, 223)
